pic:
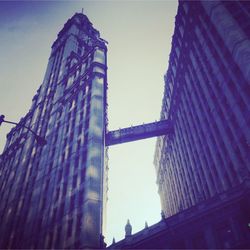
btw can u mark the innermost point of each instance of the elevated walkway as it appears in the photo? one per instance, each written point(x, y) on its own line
point(139, 132)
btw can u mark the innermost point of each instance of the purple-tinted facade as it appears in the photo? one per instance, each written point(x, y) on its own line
point(52, 196)
point(203, 166)
point(218, 223)
point(206, 96)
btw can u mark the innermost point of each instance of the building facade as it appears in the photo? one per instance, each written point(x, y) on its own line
point(53, 196)
point(218, 223)
point(206, 97)
point(203, 166)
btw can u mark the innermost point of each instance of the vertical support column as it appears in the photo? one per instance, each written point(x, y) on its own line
point(93, 202)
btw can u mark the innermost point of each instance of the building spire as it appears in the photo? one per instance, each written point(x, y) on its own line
point(128, 229)
point(162, 215)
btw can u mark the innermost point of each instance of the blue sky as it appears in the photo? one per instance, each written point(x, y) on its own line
point(139, 35)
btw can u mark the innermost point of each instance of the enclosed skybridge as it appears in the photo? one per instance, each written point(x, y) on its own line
point(140, 132)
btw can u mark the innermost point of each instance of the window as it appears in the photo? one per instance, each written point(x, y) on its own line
point(67, 170)
point(64, 189)
point(58, 236)
point(72, 202)
point(57, 194)
point(70, 225)
point(61, 210)
point(70, 81)
point(74, 181)
point(59, 176)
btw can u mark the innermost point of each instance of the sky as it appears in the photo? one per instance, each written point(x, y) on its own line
point(139, 34)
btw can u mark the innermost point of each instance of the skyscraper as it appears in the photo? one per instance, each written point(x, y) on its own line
point(206, 97)
point(203, 165)
point(52, 196)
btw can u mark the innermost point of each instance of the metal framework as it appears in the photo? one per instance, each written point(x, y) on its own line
point(139, 132)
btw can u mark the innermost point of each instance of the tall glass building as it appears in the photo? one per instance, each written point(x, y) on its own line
point(206, 96)
point(52, 196)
